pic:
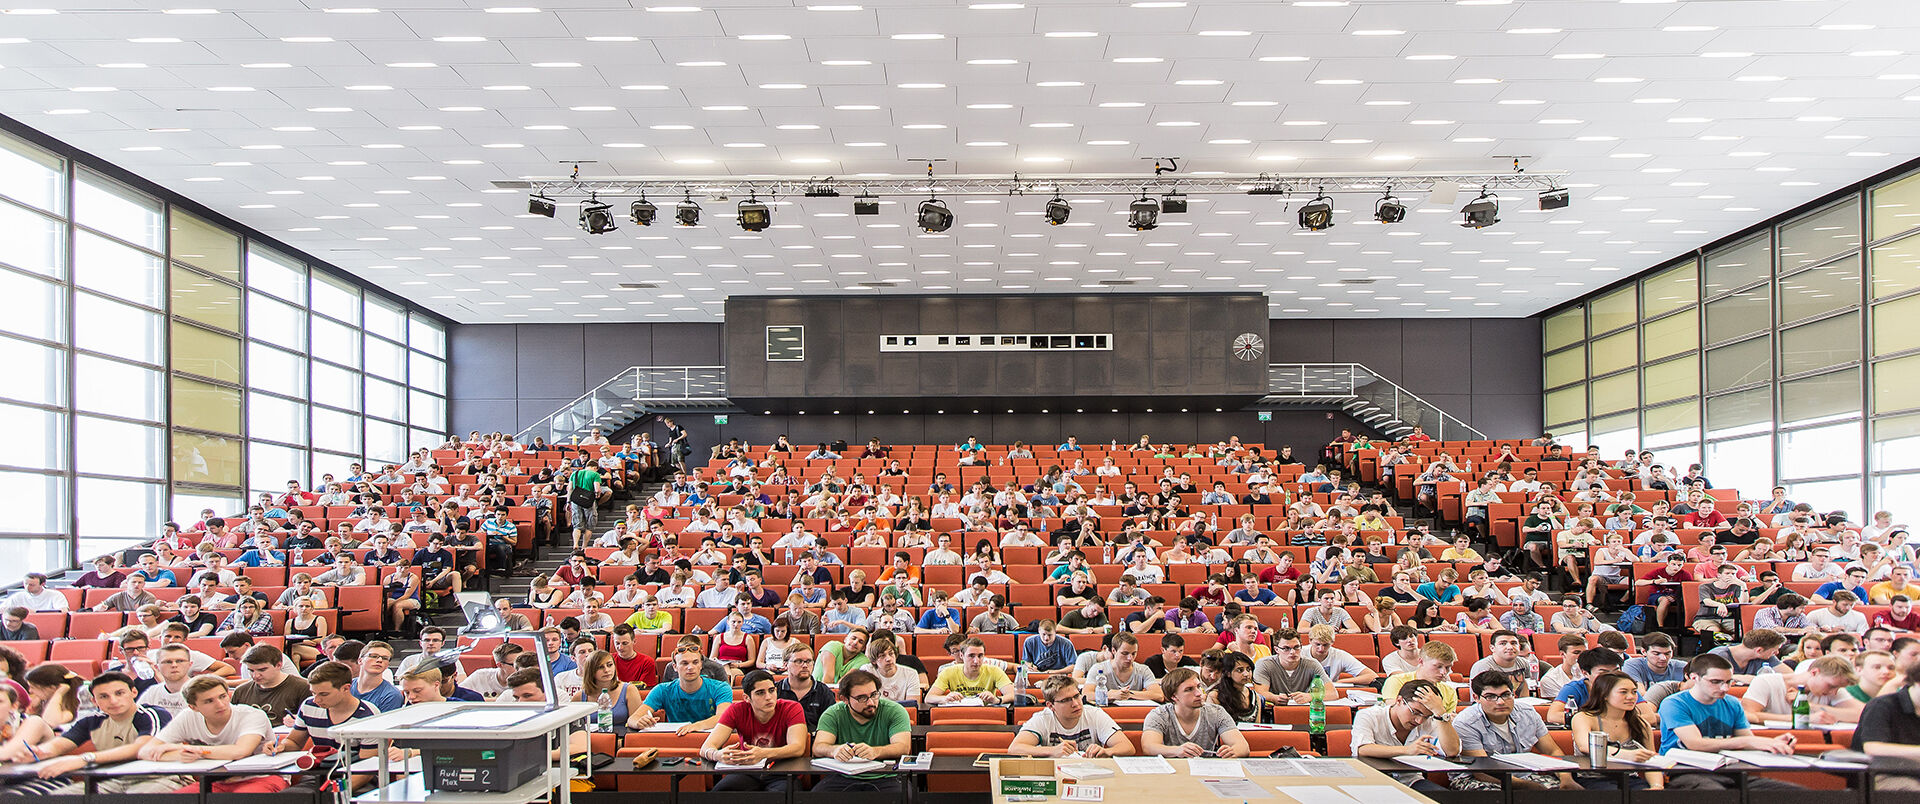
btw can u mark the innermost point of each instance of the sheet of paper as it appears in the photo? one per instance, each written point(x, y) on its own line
point(1082, 792)
point(1264, 727)
point(837, 766)
point(1695, 759)
point(1242, 789)
point(967, 701)
point(1084, 772)
point(1132, 702)
point(263, 763)
point(1536, 762)
point(1329, 768)
point(1766, 759)
point(729, 766)
point(1534, 701)
point(144, 767)
point(1834, 764)
point(1152, 765)
point(1271, 767)
point(1216, 768)
point(23, 769)
point(1426, 763)
point(664, 727)
point(1379, 794)
point(372, 765)
point(1318, 794)
point(1655, 761)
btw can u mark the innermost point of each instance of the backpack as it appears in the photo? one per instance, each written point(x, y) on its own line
point(1633, 620)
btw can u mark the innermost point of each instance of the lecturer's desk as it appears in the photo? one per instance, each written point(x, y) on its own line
point(403, 725)
point(1180, 786)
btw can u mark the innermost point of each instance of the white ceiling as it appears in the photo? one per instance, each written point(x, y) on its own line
point(1677, 122)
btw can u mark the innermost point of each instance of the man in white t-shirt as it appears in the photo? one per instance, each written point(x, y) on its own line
point(1826, 680)
point(213, 727)
point(491, 681)
point(35, 596)
point(1839, 616)
point(169, 688)
point(1415, 723)
point(1066, 726)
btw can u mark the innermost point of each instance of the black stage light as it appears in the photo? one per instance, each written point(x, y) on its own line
point(596, 217)
point(1173, 203)
point(1389, 210)
point(643, 212)
point(1481, 212)
point(754, 215)
point(864, 204)
point(1058, 211)
point(934, 216)
point(541, 205)
point(687, 212)
point(1317, 215)
point(1144, 214)
point(1557, 198)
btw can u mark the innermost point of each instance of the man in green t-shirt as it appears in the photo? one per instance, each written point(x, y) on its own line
point(584, 479)
point(837, 658)
point(863, 726)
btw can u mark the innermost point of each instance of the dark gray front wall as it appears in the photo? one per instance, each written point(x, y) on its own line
point(1486, 371)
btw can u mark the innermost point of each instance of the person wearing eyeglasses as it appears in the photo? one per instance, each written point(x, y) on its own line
point(1494, 725)
point(1187, 726)
point(1066, 726)
point(1415, 724)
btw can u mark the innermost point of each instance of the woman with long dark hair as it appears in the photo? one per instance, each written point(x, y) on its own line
point(1234, 671)
point(1611, 707)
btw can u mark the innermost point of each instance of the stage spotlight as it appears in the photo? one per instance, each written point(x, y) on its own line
point(1144, 214)
point(596, 217)
point(864, 204)
point(934, 216)
point(687, 212)
point(1481, 212)
point(1173, 203)
point(1389, 210)
point(1317, 215)
point(1058, 211)
point(754, 215)
point(1557, 198)
point(643, 212)
point(541, 205)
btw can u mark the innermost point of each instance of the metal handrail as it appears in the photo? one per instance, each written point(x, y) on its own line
point(625, 389)
point(1354, 379)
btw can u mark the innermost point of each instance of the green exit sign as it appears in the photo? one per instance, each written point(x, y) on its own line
point(719, 418)
point(1266, 415)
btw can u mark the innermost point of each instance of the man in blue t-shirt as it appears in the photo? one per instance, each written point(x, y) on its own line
point(1703, 718)
point(694, 701)
point(371, 685)
point(1656, 664)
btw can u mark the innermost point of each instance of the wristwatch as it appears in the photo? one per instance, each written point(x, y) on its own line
point(89, 757)
point(1446, 717)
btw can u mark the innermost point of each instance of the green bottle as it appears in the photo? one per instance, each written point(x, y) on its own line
point(1802, 710)
point(1317, 706)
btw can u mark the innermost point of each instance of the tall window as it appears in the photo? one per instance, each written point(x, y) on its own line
point(161, 363)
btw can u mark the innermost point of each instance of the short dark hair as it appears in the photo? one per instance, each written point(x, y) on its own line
point(854, 679)
point(109, 677)
point(1486, 680)
point(1707, 661)
point(755, 677)
point(1598, 657)
point(1412, 689)
point(528, 675)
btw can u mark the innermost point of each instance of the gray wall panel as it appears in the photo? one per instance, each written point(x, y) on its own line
point(1437, 356)
point(550, 358)
point(1300, 340)
point(479, 358)
point(611, 348)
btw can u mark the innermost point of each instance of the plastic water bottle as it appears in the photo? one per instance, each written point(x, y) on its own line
point(1285, 622)
point(1317, 706)
point(1019, 682)
point(789, 556)
point(1463, 622)
point(603, 720)
point(298, 555)
point(1533, 671)
point(1106, 553)
point(1099, 688)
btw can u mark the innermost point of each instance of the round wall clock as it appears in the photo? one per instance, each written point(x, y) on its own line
point(1249, 346)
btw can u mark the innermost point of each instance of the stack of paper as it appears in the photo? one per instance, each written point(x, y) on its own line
point(264, 763)
point(1216, 768)
point(1154, 765)
point(1536, 762)
point(1696, 759)
point(1084, 772)
point(1768, 759)
point(850, 768)
point(1427, 763)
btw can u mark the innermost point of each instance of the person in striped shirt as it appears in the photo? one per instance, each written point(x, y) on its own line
point(332, 703)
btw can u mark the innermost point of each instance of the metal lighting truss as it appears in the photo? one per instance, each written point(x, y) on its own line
point(907, 185)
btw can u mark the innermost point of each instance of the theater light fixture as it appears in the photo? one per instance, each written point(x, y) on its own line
point(1058, 211)
point(866, 204)
point(541, 205)
point(687, 212)
point(1317, 215)
point(1481, 212)
point(596, 217)
point(1173, 203)
point(1143, 214)
point(1389, 209)
point(643, 211)
point(754, 216)
point(933, 215)
point(1555, 199)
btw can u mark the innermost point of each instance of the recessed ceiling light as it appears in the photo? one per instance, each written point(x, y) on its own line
point(1229, 142)
point(846, 63)
point(506, 87)
point(1388, 103)
point(155, 40)
point(122, 65)
point(1199, 82)
point(459, 39)
point(701, 64)
point(723, 108)
point(764, 37)
point(1283, 58)
point(1226, 33)
point(992, 62)
point(1256, 103)
point(1338, 81)
point(673, 9)
point(857, 107)
point(834, 8)
point(1070, 34)
point(556, 64)
point(1476, 80)
point(1177, 123)
point(1380, 32)
point(306, 40)
point(996, 6)
point(1431, 57)
point(368, 87)
point(1138, 60)
point(924, 126)
point(1532, 31)
point(986, 144)
point(918, 36)
point(1121, 105)
point(923, 86)
point(1060, 84)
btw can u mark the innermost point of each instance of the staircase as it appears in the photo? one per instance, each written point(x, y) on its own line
point(1362, 393)
point(634, 394)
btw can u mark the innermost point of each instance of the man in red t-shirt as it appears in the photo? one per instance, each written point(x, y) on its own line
point(1666, 584)
point(1706, 518)
point(629, 664)
point(762, 729)
point(1284, 571)
point(1901, 617)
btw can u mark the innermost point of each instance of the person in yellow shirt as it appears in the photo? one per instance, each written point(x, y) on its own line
point(1899, 583)
point(971, 677)
point(1460, 551)
point(1436, 665)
